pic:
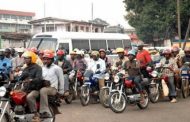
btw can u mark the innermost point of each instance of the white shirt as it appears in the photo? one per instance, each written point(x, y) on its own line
point(54, 74)
point(93, 65)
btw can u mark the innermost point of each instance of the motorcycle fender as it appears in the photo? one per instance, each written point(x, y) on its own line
point(114, 90)
point(105, 87)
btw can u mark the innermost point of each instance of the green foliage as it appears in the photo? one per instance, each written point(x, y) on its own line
point(156, 19)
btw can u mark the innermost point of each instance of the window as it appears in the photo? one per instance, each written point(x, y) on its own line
point(113, 44)
point(96, 30)
point(64, 46)
point(68, 28)
point(76, 28)
point(98, 44)
point(87, 29)
point(80, 44)
point(127, 43)
point(5, 16)
point(28, 18)
point(13, 17)
point(21, 17)
point(82, 28)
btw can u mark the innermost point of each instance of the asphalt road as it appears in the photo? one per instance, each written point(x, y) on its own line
point(163, 111)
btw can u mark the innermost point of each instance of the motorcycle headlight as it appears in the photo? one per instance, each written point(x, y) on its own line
point(154, 74)
point(107, 76)
point(116, 79)
point(2, 91)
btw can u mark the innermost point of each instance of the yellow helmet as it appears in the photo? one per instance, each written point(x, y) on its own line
point(30, 54)
point(120, 50)
point(95, 53)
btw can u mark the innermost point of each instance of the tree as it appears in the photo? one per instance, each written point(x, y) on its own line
point(156, 19)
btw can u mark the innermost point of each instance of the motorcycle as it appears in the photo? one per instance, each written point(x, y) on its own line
point(90, 88)
point(185, 73)
point(13, 104)
point(153, 87)
point(75, 82)
point(126, 93)
point(106, 90)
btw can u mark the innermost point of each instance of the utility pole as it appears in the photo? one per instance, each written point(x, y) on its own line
point(178, 21)
point(187, 35)
point(44, 16)
point(92, 16)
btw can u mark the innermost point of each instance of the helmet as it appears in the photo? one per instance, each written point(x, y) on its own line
point(120, 50)
point(95, 53)
point(132, 52)
point(30, 54)
point(34, 49)
point(49, 55)
point(79, 52)
point(102, 50)
point(7, 50)
point(72, 53)
point(60, 52)
point(167, 51)
point(75, 50)
point(175, 48)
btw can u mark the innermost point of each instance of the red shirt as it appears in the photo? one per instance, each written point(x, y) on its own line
point(143, 57)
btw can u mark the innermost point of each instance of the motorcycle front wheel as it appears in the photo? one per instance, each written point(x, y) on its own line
point(185, 88)
point(84, 96)
point(117, 105)
point(154, 94)
point(5, 118)
point(104, 97)
point(143, 103)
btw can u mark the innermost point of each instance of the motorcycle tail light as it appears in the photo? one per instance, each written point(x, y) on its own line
point(129, 83)
point(19, 97)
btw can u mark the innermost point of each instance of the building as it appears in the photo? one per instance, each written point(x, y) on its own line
point(50, 24)
point(14, 27)
point(114, 29)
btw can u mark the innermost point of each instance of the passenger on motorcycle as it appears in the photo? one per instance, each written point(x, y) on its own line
point(32, 76)
point(144, 58)
point(18, 61)
point(62, 62)
point(53, 82)
point(177, 56)
point(132, 67)
point(7, 53)
point(171, 65)
point(121, 60)
point(98, 66)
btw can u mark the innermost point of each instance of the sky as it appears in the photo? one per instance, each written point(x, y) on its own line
point(112, 11)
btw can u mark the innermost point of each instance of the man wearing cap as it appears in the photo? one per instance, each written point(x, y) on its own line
point(98, 66)
point(144, 58)
point(121, 60)
point(18, 61)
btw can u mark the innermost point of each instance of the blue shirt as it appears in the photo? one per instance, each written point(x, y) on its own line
point(8, 65)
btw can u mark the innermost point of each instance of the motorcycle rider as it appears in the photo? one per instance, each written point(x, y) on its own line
point(53, 83)
point(38, 61)
point(6, 65)
point(18, 61)
point(132, 67)
point(122, 59)
point(144, 58)
point(105, 58)
point(72, 58)
point(98, 66)
point(62, 62)
point(32, 75)
point(7, 53)
point(186, 58)
point(170, 62)
point(79, 63)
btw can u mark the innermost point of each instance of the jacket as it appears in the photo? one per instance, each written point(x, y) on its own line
point(34, 72)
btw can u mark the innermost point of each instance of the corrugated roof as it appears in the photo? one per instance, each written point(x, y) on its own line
point(17, 13)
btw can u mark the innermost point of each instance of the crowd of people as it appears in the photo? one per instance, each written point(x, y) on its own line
point(46, 72)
